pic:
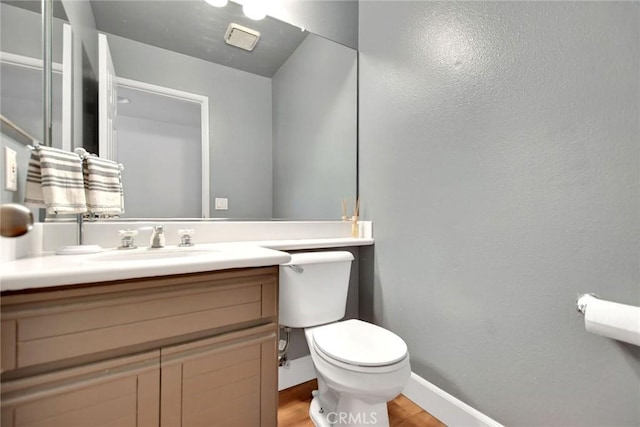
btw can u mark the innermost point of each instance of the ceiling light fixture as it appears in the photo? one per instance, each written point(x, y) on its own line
point(217, 3)
point(255, 10)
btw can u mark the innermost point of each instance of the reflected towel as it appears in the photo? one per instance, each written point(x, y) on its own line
point(103, 185)
point(55, 181)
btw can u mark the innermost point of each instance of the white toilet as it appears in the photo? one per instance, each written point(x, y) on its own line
point(360, 366)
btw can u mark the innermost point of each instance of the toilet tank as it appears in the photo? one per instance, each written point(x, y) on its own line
point(313, 288)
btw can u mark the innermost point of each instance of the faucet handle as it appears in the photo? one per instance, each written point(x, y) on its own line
point(126, 237)
point(186, 235)
point(157, 237)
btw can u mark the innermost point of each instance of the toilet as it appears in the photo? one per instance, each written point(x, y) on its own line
point(360, 366)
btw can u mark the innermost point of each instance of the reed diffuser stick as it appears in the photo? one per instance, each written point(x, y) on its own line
point(345, 216)
point(355, 229)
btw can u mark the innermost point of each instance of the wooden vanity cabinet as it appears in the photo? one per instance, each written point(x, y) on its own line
point(189, 350)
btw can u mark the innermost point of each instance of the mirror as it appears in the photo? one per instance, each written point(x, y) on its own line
point(281, 119)
point(21, 82)
point(21, 77)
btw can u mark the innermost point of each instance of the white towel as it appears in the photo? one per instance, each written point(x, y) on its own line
point(103, 185)
point(54, 181)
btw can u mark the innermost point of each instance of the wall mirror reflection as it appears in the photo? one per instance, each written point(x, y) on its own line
point(200, 124)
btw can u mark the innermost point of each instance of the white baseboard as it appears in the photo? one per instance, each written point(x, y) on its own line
point(297, 372)
point(443, 406)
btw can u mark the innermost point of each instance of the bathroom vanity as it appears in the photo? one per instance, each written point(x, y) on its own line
point(172, 350)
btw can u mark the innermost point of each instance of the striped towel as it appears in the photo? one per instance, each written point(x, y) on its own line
point(103, 185)
point(54, 181)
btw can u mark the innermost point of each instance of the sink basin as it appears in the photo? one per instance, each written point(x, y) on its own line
point(151, 254)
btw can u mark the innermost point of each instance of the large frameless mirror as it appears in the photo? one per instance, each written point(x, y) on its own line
point(203, 128)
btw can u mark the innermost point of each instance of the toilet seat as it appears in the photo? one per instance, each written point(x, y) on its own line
point(359, 343)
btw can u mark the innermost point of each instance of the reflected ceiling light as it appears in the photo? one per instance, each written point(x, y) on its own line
point(123, 100)
point(255, 10)
point(217, 3)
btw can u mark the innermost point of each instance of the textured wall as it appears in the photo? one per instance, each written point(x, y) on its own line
point(499, 156)
point(239, 120)
point(314, 131)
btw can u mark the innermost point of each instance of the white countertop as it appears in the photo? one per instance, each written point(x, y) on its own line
point(57, 270)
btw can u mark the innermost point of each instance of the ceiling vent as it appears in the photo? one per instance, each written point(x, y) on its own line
point(242, 37)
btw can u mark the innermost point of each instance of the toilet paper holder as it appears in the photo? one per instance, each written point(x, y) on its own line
point(610, 319)
point(583, 300)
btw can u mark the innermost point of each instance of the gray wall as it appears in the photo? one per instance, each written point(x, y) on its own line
point(83, 23)
point(336, 20)
point(314, 131)
point(499, 160)
point(239, 120)
point(162, 174)
point(21, 33)
point(22, 100)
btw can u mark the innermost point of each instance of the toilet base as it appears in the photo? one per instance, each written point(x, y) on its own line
point(349, 413)
point(318, 418)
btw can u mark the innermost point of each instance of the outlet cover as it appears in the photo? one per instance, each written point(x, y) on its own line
point(11, 169)
point(222, 204)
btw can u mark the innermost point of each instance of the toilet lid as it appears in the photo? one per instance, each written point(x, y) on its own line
point(359, 343)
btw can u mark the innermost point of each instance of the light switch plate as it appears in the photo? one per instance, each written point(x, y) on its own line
point(11, 169)
point(222, 204)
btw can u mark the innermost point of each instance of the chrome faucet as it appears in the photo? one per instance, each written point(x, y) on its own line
point(157, 237)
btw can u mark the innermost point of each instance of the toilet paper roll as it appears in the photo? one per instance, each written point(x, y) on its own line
point(610, 319)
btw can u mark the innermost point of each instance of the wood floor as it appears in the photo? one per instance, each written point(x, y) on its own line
point(293, 409)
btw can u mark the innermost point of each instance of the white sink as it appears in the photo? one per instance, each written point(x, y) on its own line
point(153, 254)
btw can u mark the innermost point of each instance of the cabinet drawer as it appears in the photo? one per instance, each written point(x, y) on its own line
point(87, 324)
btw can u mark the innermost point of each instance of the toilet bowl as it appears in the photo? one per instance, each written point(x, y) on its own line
point(355, 383)
point(360, 366)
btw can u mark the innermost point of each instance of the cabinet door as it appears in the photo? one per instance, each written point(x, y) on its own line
point(229, 380)
point(118, 392)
